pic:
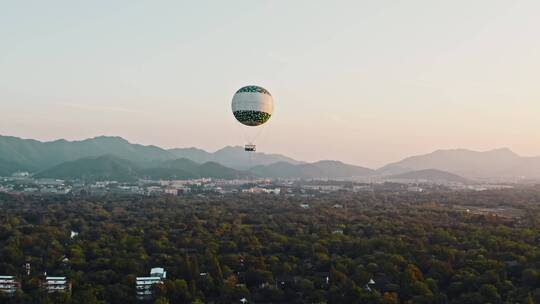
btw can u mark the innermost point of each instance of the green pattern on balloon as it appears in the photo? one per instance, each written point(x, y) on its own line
point(251, 118)
point(253, 89)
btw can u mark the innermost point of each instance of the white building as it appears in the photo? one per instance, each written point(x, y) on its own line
point(253, 190)
point(50, 182)
point(9, 285)
point(158, 272)
point(171, 191)
point(56, 284)
point(144, 285)
point(414, 189)
point(183, 190)
point(275, 191)
point(323, 188)
point(258, 190)
point(53, 190)
point(362, 188)
point(20, 174)
point(153, 190)
point(30, 190)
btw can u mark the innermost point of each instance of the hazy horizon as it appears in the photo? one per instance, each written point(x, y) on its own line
point(363, 83)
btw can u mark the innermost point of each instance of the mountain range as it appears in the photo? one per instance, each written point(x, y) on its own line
point(115, 158)
point(33, 155)
point(499, 164)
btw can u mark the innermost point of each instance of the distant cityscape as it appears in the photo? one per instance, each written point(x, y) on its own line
point(24, 183)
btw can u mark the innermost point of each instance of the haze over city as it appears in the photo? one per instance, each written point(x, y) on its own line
point(363, 82)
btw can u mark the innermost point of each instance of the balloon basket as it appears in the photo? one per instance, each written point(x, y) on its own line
point(250, 148)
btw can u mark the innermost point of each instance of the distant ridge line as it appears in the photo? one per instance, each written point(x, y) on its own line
point(500, 164)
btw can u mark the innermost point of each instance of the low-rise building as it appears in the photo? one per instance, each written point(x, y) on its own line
point(56, 284)
point(20, 174)
point(275, 191)
point(171, 191)
point(49, 182)
point(9, 285)
point(30, 190)
point(144, 285)
point(362, 188)
point(258, 190)
point(414, 189)
point(55, 190)
point(337, 231)
point(183, 190)
point(152, 190)
point(323, 188)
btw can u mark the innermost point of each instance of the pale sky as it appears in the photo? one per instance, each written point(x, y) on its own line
point(365, 82)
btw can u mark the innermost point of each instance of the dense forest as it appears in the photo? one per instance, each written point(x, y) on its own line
point(382, 247)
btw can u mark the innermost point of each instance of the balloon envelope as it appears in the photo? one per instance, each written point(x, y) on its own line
point(252, 105)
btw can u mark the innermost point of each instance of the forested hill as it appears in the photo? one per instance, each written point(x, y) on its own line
point(39, 156)
point(109, 167)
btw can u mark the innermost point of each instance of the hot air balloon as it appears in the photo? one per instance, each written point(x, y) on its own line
point(252, 106)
